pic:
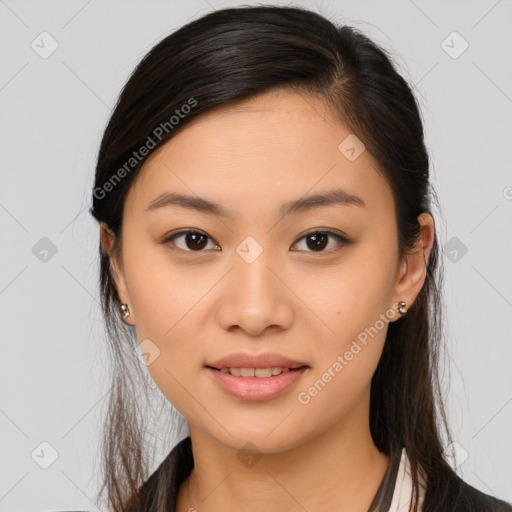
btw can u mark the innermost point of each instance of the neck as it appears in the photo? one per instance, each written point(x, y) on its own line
point(341, 469)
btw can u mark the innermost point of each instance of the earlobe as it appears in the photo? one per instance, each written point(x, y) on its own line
point(107, 239)
point(413, 269)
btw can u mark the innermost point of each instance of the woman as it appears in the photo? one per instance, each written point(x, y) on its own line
point(263, 195)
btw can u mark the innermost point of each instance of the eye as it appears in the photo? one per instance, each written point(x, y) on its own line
point(196, 241)
point(317, 240)
point(192, 241)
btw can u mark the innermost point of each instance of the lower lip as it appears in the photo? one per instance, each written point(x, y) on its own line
point(257, 388)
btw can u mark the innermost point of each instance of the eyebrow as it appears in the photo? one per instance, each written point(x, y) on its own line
point(335, 197)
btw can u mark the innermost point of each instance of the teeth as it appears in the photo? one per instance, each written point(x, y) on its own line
point(247, 372)
point(263, 372)
point(255, 372)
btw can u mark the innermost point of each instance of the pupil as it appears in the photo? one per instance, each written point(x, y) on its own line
point(195, 237)
point(317, 243)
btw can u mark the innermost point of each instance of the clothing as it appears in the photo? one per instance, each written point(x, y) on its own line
point(398, 471)
point(399, 494)
point(393, 498)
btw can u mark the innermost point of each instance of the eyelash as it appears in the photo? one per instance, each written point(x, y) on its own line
point(343, 240)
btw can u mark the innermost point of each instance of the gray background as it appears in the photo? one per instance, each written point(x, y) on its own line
point(52, 363)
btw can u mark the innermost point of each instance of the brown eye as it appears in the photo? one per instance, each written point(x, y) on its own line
point(190, 241)
point(317, 241)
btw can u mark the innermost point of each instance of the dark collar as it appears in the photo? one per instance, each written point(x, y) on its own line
point(180, 462)
point(382, 500)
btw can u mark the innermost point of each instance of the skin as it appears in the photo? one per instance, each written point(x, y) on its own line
point(196, 307)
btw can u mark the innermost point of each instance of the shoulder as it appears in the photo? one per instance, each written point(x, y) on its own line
point(445, 493)
point(473, 499)
point(170, 473)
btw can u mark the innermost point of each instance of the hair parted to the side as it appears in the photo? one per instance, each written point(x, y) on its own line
point(233, 54)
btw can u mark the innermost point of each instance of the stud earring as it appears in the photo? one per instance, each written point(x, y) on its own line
point(402, 307)
point(125, 311)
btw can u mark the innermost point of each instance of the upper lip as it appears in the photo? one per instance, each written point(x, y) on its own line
point(241, 360)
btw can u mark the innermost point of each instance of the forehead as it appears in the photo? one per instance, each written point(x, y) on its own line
point(265, 150)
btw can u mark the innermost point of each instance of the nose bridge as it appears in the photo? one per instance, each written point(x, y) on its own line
point(253, 277)
point(255, 298)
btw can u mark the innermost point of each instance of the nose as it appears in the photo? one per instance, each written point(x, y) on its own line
point(255, 298)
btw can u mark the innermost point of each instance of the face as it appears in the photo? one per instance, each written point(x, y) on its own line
point(315, 284)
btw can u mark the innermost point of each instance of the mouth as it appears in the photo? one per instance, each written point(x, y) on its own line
point(256, 384)
point(260, 373)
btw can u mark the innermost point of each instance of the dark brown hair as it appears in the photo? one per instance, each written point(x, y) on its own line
point(233, 54)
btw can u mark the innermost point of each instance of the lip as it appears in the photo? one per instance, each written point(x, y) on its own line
point(242, 360)
point(257, 388)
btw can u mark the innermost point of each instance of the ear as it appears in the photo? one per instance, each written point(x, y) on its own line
point(413, 269)
point(107, 238)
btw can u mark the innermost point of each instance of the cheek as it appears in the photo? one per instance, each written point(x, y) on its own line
point(339, 384)
point(339, 392)
point(354, 303)
point(348, 298)
point(172, 327)
point(164, 295)
point(167, 305)
point(173, 374)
